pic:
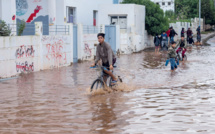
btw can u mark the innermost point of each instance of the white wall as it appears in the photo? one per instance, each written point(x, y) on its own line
point(24, 54)
point(51, 12)
point(132, 39)
point(84, 10)
point(193, 26)
point(117, 9)
point(60, 14)
point(139, 12)
point(57, 51)
point(8, 9)
point(14, 55)
point(0, 9)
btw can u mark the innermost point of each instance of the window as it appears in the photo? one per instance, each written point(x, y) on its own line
point(157, 3)
point(95, 18)
point(169, 3)
point(71, 15)
point(119, 20)
point(163, 3)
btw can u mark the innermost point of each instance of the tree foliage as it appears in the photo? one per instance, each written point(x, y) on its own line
point(156, 22)
point(170, 14)
point(4, 29)
point(186, 9)
point(21, 27)
point(208, 11)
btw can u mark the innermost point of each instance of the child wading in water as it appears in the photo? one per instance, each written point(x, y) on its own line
point(157, 43)
point(171, 57)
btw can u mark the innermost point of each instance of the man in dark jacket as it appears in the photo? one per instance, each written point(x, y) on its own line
point(172, 34)
point(189, 34)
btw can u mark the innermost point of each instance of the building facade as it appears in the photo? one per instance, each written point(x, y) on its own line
point(165, 5)
point(53, 12)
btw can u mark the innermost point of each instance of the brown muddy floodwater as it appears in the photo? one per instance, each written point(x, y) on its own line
point(160, 102)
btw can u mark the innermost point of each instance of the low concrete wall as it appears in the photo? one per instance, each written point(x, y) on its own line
point(193, 26)
point(57, 51)
point(19, 54)
point(149, 40)
point(88, 48)
point(24, 54)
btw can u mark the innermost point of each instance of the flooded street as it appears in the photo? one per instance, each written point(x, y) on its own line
point(155, 101)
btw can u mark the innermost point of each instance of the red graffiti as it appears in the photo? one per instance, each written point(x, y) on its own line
point(55, 52)
point(36, 11)
point(87, 50)
point(24, 51)
point(37, 1)
point(24, 67)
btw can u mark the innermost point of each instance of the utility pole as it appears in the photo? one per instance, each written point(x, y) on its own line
point(199, 12)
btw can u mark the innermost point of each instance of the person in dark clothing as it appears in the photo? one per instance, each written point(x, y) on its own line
point(164, 40)
point(157, 43)
point(198, 38)
point(182, 32)
point(189, 33)
point(191, 41)
point(198, 35)
point(198, 30)
point(172, 34)
point(172, 56)
point(182, 46)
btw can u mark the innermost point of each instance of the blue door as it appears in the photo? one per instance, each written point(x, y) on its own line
point(115, 1)
point(75, 44)
point(110, 36)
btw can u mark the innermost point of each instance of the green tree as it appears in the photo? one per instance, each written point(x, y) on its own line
point(21, 27)
point(156, 22)
point(170, 14)
point(186, 9)
point(4, 29)
point(208, 11)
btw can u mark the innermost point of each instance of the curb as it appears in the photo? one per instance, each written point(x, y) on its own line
point(204, 41)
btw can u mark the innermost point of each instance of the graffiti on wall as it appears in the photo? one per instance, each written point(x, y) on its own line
point(87, 50)
point(24, 51)
point(24, 67)
point(37, 1)
point(55, 52)
point(51, 21)
point(34, 14)
point(89, 41)
point(32, 10)
point(21, 7)
point(53, 39)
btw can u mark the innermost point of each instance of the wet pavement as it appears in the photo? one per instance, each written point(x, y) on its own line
point(154, 101)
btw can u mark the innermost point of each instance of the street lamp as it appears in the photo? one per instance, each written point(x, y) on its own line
point(199, 12)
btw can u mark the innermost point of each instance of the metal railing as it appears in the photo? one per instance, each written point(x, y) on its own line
point(28, 30)
point(59, 29)
point(90, 29)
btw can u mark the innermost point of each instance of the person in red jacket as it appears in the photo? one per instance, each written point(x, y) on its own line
point(168, 33)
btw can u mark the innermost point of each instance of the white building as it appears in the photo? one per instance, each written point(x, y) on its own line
point(131, 20)
point(165, 4)
point(7, 10)
point(54, 11)
point(79, 11)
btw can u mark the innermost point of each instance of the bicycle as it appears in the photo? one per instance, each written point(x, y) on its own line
point(179, 56)
point(102, 79)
